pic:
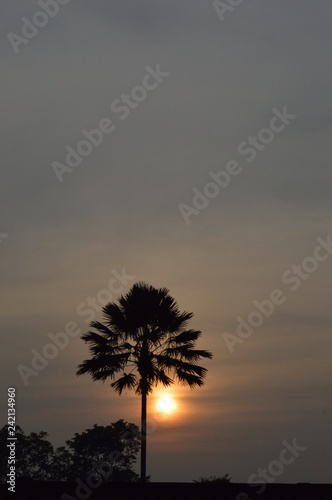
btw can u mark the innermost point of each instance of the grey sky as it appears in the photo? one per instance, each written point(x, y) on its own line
point(120, 209)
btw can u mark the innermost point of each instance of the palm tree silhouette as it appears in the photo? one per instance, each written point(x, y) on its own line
point(146, 334)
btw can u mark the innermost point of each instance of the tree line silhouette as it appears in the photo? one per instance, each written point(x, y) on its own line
point(110, 452)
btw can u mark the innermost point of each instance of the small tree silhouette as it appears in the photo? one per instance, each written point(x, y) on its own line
point(35, 457)
point(90, 451)
point(146, 334)
point(214, 479)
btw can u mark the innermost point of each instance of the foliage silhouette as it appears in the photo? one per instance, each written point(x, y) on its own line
point(33, 458)
point(144, 333)
point(111, 449)
point(106, 451)
point(214, 479)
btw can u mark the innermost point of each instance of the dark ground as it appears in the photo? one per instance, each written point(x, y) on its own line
point(35, 490)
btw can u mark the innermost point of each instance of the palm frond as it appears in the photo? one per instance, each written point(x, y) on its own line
point(165, 361)
point(93, 337)
point(102, 364)
point(189, 379)
point(116, 320)
point(178, 351)
point(196, 354)
point(96, 374)
point(127, 381)
point(106, 331)
point(186, 336)
point(160, 376)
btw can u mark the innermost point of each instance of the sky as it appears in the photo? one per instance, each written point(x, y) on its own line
point(204, 168)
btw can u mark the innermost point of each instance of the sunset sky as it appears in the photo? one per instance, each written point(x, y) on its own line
point(208, 172)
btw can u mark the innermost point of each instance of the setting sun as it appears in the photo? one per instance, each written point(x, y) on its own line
point(166, 405)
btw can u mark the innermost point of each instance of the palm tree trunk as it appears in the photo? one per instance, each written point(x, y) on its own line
point(143, 438)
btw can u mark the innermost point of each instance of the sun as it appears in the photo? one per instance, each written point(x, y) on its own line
point(166, 405)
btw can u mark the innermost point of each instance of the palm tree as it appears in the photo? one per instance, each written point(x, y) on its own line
point(144, 334)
